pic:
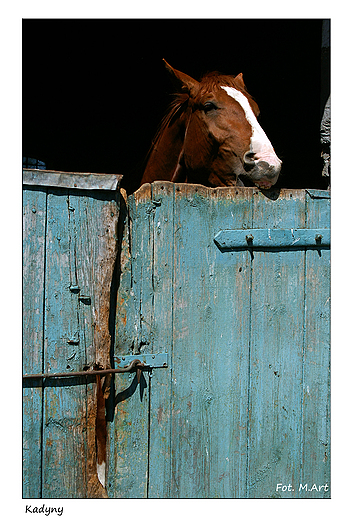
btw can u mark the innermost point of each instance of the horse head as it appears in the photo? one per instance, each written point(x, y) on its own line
point(211, 135)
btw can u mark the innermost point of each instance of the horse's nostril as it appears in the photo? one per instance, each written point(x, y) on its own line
point(249, 159)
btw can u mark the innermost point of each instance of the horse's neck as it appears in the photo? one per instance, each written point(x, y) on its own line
point(165, 154)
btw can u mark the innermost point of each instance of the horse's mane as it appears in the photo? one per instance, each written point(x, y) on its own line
point(175, 110)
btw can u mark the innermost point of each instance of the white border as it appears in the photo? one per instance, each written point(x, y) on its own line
point(342, 253)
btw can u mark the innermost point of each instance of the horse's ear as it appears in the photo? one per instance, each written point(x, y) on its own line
point(239, 81)
point(182, 81)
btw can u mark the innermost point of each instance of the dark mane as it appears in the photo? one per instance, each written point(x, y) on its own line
point(175, 109)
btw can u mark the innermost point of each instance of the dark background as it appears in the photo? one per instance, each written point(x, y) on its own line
point(94, 91)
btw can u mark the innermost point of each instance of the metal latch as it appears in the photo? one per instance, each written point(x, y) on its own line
point(142, 361)
point(136, 362)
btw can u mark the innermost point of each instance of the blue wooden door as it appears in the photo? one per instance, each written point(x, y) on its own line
point(70, 246)
point(242, 410)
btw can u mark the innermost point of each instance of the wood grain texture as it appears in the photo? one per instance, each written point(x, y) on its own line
point(34, 235)
point(63, 431)
point(316, 377)
point(97, 217)
point(276, 352)
point(129, 434)
point(229, 417)
point(244, 403)
point(210, 351)
point(160, 407)
point(69, 260)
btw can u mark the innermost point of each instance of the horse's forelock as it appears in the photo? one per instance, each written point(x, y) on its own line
point(214, 80)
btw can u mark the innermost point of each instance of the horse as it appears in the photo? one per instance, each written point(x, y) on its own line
point(211, 135)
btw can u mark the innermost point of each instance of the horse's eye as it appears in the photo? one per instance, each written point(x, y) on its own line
point(208, 106)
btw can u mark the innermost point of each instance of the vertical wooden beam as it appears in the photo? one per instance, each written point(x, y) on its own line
point(95, 215)
point(210, 346)
point(277, 325)
point(232, 331)
point(129, 436)
point(34, 228)
point(316, 379)
point(64, 411)
point(160, 455)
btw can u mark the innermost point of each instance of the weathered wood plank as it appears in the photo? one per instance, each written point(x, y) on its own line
point(276, 353)
point(210, 361)
point(160, 416)
point(232, 330)
point(128, 467)
point(191, 394)
point(80, 260)
point(85, 181)
point(316, 380)
point(82, 273)
point(64, 405)
point(34, 227)
point(95, 216)
point(125, 319)
point(142, 208)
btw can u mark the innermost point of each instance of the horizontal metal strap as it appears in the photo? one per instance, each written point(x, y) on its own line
point(319, 194)
point(230, 239)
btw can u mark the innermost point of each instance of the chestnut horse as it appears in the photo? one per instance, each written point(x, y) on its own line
point(211, 136)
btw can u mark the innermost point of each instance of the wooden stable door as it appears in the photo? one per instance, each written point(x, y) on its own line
point(232, 288)
point(70, 246)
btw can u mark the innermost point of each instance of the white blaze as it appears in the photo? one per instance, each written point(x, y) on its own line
point(260, 144)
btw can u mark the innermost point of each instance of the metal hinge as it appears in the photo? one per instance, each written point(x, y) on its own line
point(230, 239)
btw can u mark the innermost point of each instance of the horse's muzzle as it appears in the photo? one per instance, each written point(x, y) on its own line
point(264, 174)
